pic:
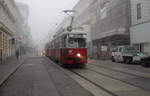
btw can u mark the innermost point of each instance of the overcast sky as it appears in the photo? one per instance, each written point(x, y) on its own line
point(44, 14)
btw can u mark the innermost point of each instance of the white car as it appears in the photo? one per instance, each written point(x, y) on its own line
point(126, 54)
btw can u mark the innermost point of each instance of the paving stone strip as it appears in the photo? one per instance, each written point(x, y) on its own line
point(65, 84)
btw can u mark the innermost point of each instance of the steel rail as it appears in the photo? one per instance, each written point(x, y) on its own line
point(142, 88)
point(83, 77)
point(108, 68)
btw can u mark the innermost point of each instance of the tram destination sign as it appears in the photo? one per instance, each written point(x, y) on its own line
point(77, 35)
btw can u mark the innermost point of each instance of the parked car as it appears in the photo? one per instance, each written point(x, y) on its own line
point(126, 54)
point(145, 61)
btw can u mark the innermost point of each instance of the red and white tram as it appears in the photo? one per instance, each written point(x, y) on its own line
point(68, 48)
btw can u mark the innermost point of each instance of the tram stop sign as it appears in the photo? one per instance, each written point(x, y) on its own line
point(69, 28)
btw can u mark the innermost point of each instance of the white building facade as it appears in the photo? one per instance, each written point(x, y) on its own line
point(140, 29)
point(26, 35)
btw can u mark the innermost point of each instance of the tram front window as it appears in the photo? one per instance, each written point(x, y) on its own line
point(76, 42)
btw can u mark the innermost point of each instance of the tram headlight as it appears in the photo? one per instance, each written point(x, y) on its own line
point(78, 54)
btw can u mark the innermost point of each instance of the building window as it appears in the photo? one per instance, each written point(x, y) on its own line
point(139, 11)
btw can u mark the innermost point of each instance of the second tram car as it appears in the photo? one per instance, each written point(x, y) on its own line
point(69, 49)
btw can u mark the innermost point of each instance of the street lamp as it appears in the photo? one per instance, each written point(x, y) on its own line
point(69, 28)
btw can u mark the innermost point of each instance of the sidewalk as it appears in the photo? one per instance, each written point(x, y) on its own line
point(9, 66)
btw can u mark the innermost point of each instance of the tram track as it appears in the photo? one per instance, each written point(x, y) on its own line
point(86, 79)
point(104, 89)
point(118, 79)
point(113, 93)
point(112, 69)
point(99, 85)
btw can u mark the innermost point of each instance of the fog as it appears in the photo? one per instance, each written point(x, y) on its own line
point(44, 17)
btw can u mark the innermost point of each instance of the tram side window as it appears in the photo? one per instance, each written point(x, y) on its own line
point(63, 42)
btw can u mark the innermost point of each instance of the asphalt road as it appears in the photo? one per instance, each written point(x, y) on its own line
point(38, 77)
point(121, 79)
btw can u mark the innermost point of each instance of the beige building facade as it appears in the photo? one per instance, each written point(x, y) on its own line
point(10, 28)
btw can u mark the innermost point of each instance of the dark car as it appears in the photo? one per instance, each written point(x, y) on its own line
point(145, 61)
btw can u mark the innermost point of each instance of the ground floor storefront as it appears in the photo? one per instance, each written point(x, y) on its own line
point(139, 35)
point(102, 48)
point(7, 48)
